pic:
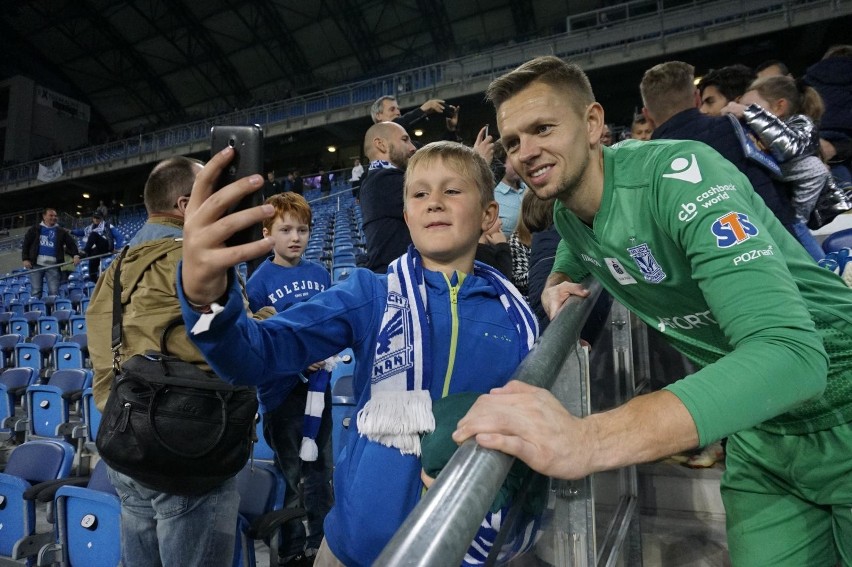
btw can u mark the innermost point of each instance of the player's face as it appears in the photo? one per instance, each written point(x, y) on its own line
point(444, 213)
point(547, 140)
point(290, 237)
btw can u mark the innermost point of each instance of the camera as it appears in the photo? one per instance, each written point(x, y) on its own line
point(450, 110)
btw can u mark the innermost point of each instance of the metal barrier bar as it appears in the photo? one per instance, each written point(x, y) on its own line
point(440, 528)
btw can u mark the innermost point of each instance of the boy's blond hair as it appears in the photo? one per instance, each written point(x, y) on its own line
point(461, 159)
point(284, 203)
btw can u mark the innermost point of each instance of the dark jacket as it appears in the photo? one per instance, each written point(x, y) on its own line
point(412, 117)
point(832, 78)
point(497, 256)
point(718, 133)
point(65, 244)
point(384, 225)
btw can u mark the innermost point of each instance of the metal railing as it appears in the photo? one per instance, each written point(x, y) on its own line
point(591, 33)
point(440, 529)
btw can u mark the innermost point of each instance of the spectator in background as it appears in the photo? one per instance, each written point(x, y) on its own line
point(493, 249)
point(784, 117)
point(388, 147)
point(721, 86)
point(166, 194)
point(770, 68)
point(159, 528)
point(115, 211)
point(46, 244)
point(100, 238)
point(102, 209)
point(324, 183)
point(355, 177)
point(671, 103)
point(519, 243)
point(641, 128)
point(606, 137)
point(508, 193)
point(281, 281)
point(386, 109)
point(273, 185)
point(832, 78)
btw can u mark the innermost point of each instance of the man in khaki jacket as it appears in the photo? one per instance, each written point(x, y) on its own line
point(156, 526)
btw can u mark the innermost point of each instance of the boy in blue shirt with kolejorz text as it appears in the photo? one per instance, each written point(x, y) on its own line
point(282, 280)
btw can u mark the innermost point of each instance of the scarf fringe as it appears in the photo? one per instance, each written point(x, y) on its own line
point(397, 419)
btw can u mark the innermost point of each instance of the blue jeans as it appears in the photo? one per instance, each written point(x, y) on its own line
point(282, 429)
point(806, 239)
point(160, 529)
point(37, 281)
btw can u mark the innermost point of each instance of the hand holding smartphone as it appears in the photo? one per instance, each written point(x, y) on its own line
point(247, 142)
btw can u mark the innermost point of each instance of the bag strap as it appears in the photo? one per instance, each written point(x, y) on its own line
point(117, 312)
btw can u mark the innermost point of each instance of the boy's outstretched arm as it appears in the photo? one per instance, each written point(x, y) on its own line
point(206, 259)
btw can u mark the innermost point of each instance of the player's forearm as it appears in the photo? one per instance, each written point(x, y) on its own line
point(647, 428)
point(556, 278)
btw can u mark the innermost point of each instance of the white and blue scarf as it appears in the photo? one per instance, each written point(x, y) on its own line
point(400, 406)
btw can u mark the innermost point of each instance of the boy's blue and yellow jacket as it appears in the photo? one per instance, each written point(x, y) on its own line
point(475, 347)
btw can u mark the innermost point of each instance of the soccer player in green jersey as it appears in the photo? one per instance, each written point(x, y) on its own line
point(677, 234)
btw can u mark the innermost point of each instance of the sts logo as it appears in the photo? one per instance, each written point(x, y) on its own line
point(732, 228)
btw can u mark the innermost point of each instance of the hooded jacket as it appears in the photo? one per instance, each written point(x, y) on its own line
point(474, 345)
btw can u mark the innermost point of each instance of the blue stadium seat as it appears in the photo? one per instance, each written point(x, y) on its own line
point(261, 488)
point(87, 521)
point(13, 385)
point(7, 349)
point(67, 355)
point(31, 463)
point(50, 404)
point(838, 240)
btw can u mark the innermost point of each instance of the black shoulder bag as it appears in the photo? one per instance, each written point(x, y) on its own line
point(169, 425)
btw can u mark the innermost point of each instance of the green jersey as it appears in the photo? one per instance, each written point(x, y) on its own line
point(683, 241)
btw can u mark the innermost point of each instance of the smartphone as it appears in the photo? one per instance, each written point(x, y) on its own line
point(247, 142)
point(486, 132)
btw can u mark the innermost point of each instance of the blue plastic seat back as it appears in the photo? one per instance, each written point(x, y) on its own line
point(48, 324)
point(838, 240)
point(91, 415)
point(30, 463)
point(5, 316)
point(87, 522)
point(261, 488)
point(67, 355)
point(77, 325)
point(19, 326)
point(28, 355)
point(7, 348)
point(40, 460)
point(62, 303)
point(48, 404)
point(13, 379)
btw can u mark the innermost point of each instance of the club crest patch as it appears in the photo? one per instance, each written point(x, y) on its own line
point(647, 264)
point(393, 347)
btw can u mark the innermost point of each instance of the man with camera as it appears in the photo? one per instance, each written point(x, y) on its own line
point(386, 109)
